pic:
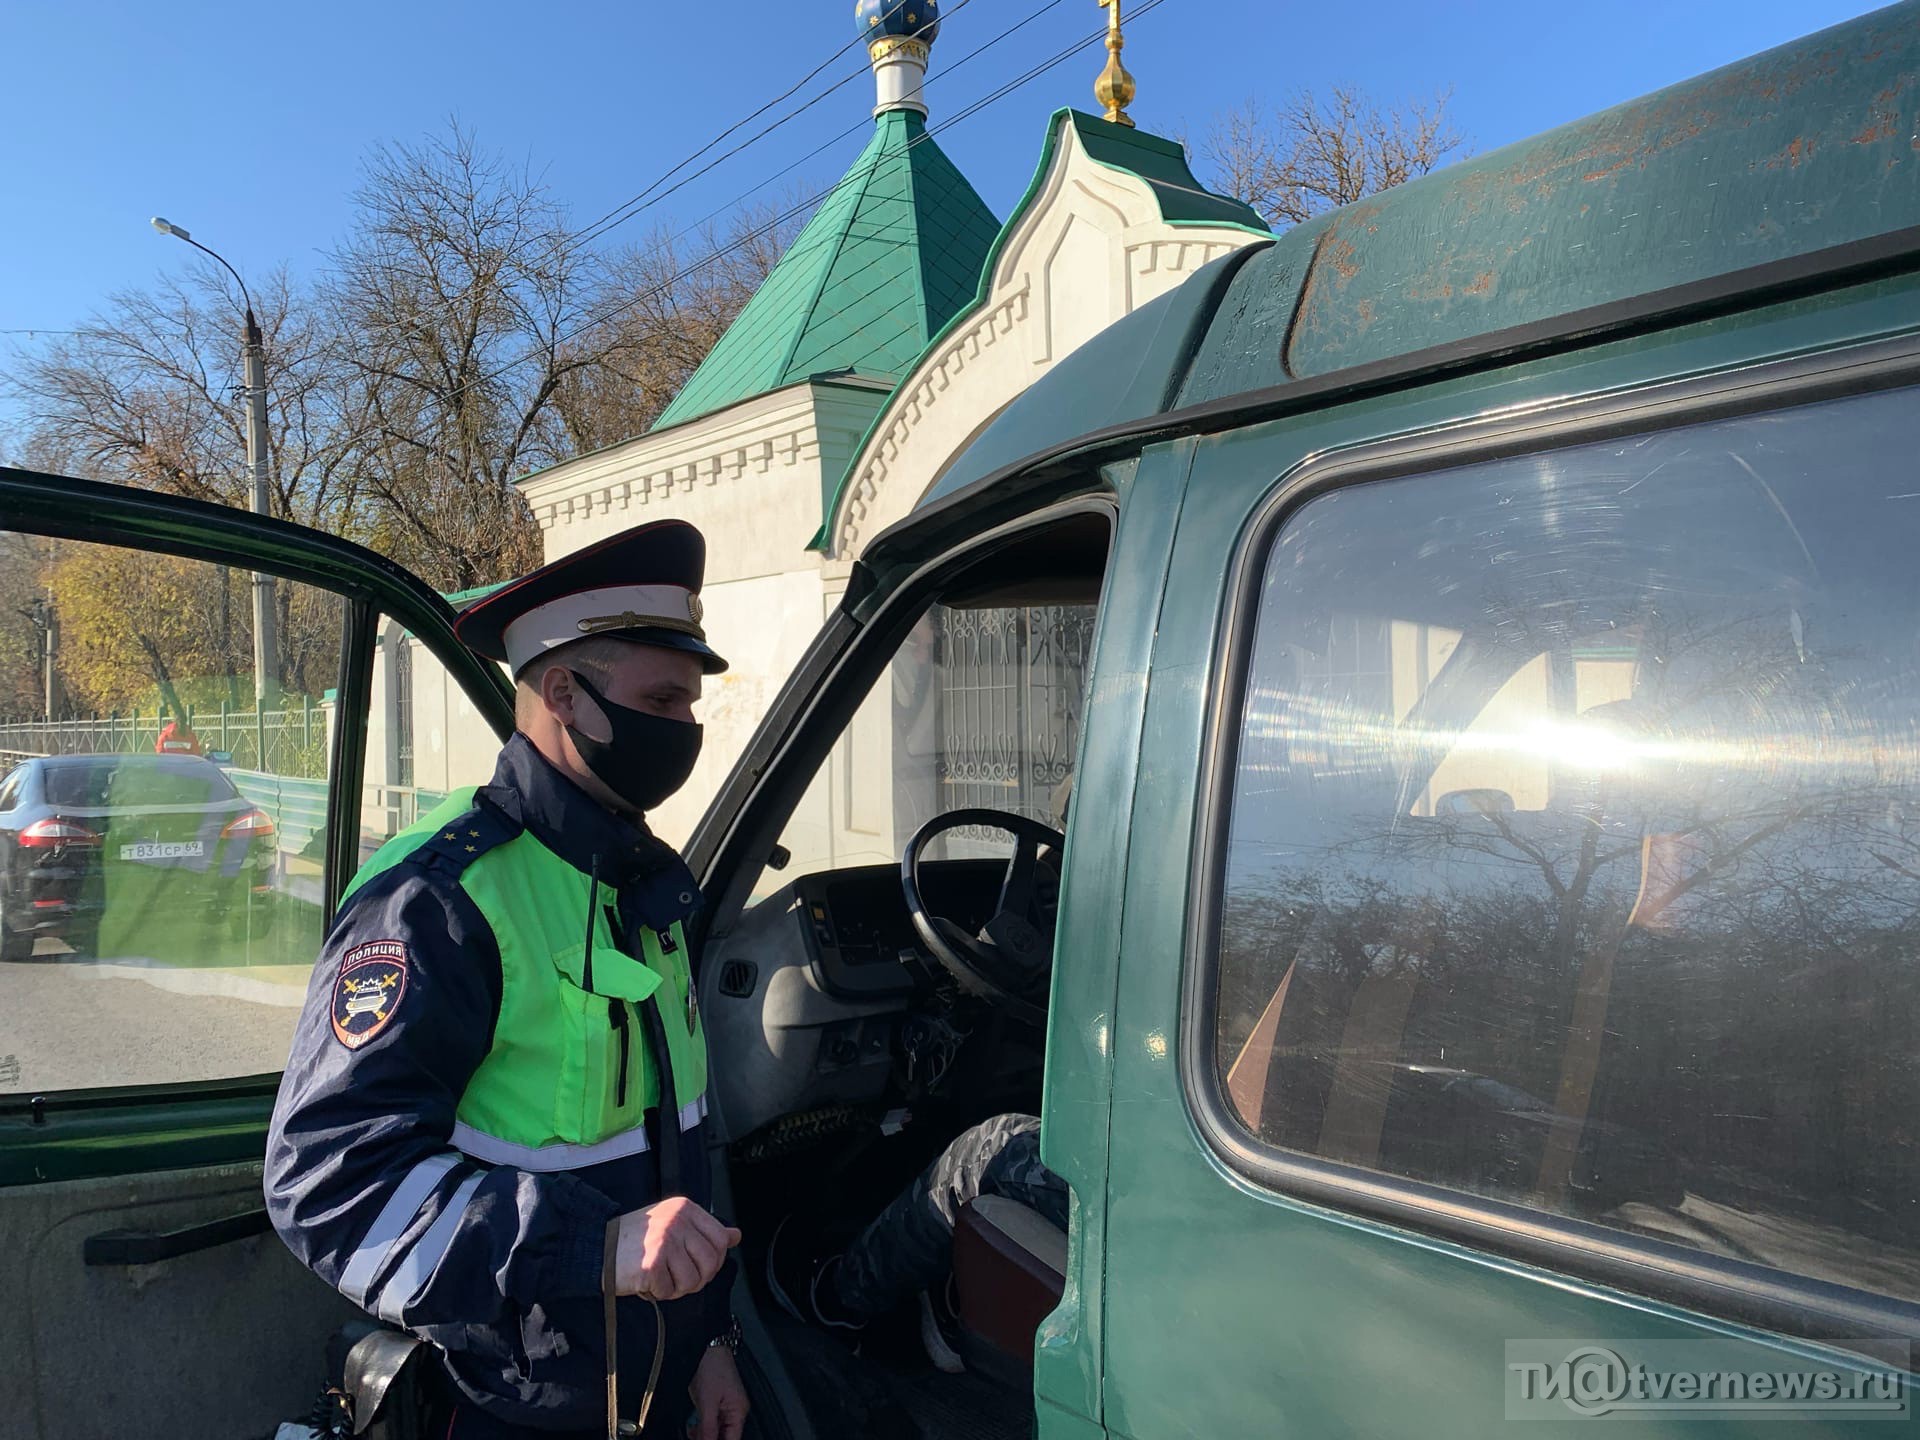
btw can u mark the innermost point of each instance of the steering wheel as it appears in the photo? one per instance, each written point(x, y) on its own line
point(1011, 958)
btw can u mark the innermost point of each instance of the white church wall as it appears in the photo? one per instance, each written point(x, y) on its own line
point(1089, 248)
point(762, 625)
point(452, 744)
point(383, 722)
point(750, 477)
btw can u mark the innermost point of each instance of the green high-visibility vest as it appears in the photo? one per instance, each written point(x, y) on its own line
point(570, 1075)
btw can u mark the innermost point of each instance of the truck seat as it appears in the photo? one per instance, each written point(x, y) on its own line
point(1009, 1270)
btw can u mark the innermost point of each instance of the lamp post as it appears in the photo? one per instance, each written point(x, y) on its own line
point(46, 624)
point(265, 648)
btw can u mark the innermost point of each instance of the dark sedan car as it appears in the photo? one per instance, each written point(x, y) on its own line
point(120, 842)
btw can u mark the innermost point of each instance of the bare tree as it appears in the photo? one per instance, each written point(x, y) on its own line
point(1311, 155)
point(668, 302)
point(147, 392)
point(462, 335)
point(458, 286)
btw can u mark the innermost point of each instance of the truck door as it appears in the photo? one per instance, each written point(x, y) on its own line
point(160, 909)
point(1519, 968)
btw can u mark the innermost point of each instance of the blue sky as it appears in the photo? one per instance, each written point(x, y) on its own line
point(248, 123)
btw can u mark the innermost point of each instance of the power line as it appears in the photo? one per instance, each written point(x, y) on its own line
point(748, 120)
point(605, 223)
point(567, 245)
point(880, 232)
point(859, 125)
point(990, 98)
point(635, 206)
point(740, 242)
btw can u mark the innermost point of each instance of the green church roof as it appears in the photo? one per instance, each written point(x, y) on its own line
point(1183, 200)
point(1160, 163)
point(894, 251)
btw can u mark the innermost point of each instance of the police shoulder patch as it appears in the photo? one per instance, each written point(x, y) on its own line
point(367, 991)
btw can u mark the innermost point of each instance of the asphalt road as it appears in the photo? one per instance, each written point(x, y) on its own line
point(68, 1023)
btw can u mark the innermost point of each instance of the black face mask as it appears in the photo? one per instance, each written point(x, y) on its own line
point(649, 756)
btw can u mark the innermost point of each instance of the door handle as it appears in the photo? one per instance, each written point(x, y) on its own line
point(136, 1247)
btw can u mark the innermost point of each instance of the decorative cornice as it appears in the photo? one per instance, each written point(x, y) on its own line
point(795, 445)
point(917, 396)
point(1182, 256)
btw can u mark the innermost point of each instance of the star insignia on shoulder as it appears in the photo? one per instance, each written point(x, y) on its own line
point(450, 836)
point(470, 849)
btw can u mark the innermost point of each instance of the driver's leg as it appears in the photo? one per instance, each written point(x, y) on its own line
point(908, 1247)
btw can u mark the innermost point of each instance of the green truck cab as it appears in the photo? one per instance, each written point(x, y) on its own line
point(1472, 648)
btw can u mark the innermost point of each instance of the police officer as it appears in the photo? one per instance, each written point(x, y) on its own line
point(490, 1127)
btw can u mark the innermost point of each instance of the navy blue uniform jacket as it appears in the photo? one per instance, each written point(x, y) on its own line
point(498, 1267)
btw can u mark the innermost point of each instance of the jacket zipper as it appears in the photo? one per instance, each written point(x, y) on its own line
point(616, 1009)
point(617, 1017)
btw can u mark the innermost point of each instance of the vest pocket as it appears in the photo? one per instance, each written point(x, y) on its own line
point(580, 1111)
point(612, 1092)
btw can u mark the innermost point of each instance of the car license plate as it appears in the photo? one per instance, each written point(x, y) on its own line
point(163, 850)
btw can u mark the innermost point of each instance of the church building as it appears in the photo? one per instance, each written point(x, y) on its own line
point(904, 318)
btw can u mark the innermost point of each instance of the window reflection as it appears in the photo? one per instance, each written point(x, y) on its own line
point(1575, 838)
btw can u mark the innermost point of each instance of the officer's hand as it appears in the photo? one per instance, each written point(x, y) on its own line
point(669, 1249)
point(719, 1399)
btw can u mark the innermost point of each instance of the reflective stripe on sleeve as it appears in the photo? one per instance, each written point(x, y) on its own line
point(405, 1202)
point(561, 1155)
point(416, 1266)
point(547, 1158)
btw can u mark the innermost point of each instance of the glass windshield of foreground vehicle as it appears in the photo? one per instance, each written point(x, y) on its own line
point(981, 707)
point(1574, 851)
point(161, 834)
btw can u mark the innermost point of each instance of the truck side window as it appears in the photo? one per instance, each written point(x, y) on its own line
point(1573, 849)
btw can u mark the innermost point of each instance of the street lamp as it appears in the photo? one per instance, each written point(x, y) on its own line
point(264, 640)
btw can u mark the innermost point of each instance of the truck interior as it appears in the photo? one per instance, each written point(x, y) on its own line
point(880, 983)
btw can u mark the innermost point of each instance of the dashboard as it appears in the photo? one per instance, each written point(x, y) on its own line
point(860, 939)
point(819, 994)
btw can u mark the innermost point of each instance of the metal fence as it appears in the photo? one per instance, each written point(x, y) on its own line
point(290, 741)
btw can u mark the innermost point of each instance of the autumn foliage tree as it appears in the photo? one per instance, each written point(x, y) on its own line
point(139, 630)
